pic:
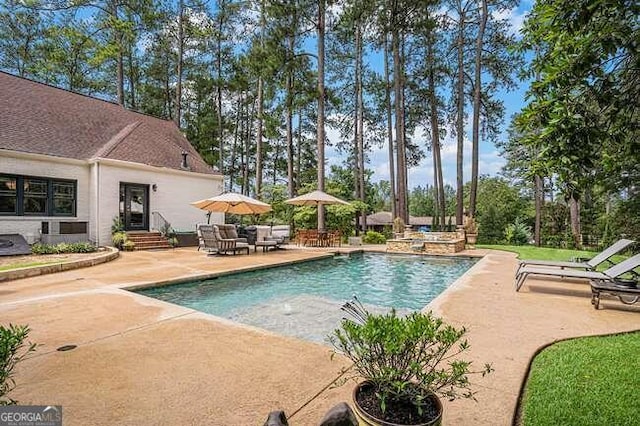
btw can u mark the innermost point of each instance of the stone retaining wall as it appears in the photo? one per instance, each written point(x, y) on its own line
point(425, 247)
point(109, 254)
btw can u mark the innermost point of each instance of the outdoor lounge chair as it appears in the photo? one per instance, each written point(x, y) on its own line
point(226, 245)
point(207, 239)
point(627, 294)
point(607, 276)
point(589, 265)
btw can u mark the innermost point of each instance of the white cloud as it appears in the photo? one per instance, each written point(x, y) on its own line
point(513, 16)
point(489, 163)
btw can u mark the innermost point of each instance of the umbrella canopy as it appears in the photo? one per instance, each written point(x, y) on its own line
point(232, 202)
point(315, 198)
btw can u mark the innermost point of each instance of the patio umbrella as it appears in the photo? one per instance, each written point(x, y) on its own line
point(315, 198)
point(232, 202)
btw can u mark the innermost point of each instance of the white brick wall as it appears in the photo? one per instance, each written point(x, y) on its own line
point(42, 166)
point(175, 190)
point(98, 194)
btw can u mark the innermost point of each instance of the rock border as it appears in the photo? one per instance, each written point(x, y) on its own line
point(108, 255)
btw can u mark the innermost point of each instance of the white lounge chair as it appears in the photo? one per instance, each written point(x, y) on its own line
point(589, 265)
point(609, 275)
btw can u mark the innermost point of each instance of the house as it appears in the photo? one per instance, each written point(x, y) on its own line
point(70, 164)
point(378, 221)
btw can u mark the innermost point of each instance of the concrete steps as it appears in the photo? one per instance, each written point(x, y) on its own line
point(144, 240)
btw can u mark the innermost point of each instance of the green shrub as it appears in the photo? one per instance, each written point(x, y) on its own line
point(118, 239)
point(117, 225)
point(517, 233)
point(128, 245)
point(83, 248)
point(40, 248)
point(405, 357)
point(373, 237)
point(13, 349)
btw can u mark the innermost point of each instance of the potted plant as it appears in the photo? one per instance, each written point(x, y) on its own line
point(471, 229)
point(406, 363)
point(128, 245)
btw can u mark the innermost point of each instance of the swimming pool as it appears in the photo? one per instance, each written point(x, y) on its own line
point(303, 300)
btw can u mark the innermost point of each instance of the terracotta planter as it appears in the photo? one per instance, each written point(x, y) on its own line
point(369, 420)
point(472, 238)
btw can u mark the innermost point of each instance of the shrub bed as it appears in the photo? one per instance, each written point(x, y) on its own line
point(40, 248)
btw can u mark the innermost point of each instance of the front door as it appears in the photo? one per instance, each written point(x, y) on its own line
point(134, 206)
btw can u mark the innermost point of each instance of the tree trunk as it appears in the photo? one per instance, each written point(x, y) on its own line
point(132, 77)
point(360, 123)
point(219, 97)
point(298, 155)
point(477, 91)
point(258, 187)
point(440, 210)
point(392, 171)
point(247, 142)
point(321, 95)
point(460, 122)
point(403, 127)
point(119, 58)
point(259, 140)
point(289, 122)
point(574, 211)
point(399, 117)
point(178, 101)
point(232, 163)
point(538, 195)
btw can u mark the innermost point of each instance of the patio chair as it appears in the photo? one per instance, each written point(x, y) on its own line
point(589, 265)
point(226, 245)
point(265, 240)
point(207, 239)
point(229, 232)
point(626, 266)
point(282, 232)
point(301, 237)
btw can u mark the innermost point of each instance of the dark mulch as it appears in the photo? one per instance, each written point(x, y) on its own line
point(400, 412)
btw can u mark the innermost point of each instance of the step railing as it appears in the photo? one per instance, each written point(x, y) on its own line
point(159, 223)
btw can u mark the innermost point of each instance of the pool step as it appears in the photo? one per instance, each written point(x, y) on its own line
point(144, 240)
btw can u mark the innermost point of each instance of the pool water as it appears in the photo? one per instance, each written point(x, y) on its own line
point(303, 300)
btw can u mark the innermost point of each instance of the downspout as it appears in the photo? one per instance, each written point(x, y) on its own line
point(97, 203)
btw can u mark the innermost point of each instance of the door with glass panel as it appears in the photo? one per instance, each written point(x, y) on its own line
point(134, 206)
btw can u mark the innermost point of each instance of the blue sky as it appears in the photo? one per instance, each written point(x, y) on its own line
point(490, 162)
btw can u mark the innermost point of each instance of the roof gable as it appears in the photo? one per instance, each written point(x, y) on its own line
point(42, 119)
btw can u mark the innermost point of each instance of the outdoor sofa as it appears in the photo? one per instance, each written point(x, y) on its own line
point(212, 241)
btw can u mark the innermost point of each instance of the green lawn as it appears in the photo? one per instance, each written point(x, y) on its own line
point(26, 265)
point(541, 253)
point(585, 381)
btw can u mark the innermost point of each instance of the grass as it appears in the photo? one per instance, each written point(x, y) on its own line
point(26, 265)
point(585, 381)
point(541, 253)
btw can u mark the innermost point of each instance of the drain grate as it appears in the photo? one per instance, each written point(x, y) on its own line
point(66, 348)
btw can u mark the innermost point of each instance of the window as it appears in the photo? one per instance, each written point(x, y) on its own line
point(8, 195)
point(36, 196)
point(64, 198)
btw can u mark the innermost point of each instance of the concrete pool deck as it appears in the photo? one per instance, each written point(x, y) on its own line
point(143, 361)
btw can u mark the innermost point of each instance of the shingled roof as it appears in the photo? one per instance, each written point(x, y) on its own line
point(41, 119)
